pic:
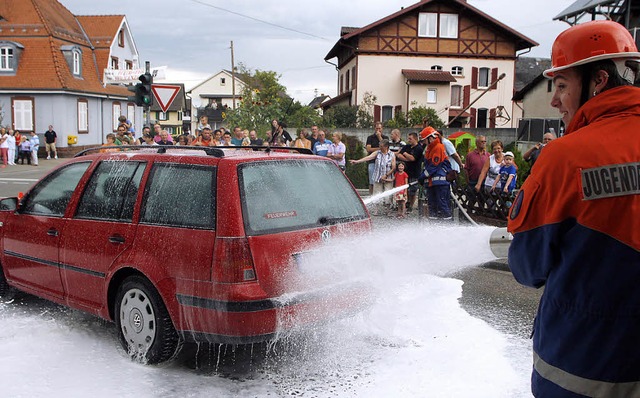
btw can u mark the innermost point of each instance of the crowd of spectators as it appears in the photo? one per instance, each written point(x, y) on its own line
point(427, 163)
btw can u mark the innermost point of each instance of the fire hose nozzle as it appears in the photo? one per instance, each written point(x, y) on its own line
point(499, 242)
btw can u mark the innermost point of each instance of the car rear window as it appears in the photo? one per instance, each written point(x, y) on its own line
point(296, 194)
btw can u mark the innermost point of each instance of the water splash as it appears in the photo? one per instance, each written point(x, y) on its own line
point(382, 195)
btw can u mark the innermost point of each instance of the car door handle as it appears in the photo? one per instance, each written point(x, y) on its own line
point(116, 239)
point(52, 232)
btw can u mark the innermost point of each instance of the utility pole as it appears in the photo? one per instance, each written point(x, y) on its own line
point(233, 78)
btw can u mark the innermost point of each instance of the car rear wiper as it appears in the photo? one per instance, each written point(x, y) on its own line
point(324, 220)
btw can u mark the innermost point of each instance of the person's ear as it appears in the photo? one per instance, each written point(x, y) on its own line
point(601, 80)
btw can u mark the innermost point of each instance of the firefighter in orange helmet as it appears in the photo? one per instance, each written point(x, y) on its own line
point(576, 221)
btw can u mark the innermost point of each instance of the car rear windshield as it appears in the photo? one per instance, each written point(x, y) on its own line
point(296, 194)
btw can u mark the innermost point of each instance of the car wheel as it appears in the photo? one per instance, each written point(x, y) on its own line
point(5, 289)
point(143, 324)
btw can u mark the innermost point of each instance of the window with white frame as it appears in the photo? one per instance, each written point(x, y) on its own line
point(162, 116)
point(432, 96)
point(457, 71)
point(223, 81)
point(436, 67)
point(114, 63)
point(83, 116)
point(23, 114)
point(456, 96)
point(76, 62)
point(483, 77)
point(6, 58)
point(427, 24)
point(449, 26)
point(117, 111)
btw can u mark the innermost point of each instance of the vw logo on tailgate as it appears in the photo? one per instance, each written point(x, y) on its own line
point(326, 235)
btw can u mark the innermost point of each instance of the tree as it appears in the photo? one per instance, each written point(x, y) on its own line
point(265, 99)
point(340, 116)
point(418, 113)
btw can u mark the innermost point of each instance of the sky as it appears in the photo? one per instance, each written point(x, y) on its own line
point(193, 37)
point(415, 340)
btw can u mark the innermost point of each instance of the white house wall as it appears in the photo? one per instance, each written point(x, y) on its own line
point(126, 53)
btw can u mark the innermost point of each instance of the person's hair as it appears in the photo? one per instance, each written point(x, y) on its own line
point(384, 143)
point(400, 162)
point(414, 135)
point(302, 133)
point(377, 123)
point(112, 136)
point(496, 142)
point(339, 134)
point(122, 118)
point(590, 70)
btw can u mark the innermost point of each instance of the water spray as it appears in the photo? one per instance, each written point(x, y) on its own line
point(500, 238)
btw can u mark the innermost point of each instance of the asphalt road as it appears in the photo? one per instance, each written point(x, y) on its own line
point(20, 178)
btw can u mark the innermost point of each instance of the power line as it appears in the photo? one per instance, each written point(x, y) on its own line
point(259, 20)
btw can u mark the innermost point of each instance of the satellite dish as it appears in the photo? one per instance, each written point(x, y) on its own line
point(196, 102)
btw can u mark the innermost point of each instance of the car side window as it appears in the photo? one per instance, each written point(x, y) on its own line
point(181, 196)
point(51, 196)
point(112, 191)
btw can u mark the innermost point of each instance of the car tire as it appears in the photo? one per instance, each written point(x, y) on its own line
point(4, 286)
point(143, 324)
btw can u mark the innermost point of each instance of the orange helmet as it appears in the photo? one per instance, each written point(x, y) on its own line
point(591, 41)
point(427, 131)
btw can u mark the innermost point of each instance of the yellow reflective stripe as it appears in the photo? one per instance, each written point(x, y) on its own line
point(580, 385)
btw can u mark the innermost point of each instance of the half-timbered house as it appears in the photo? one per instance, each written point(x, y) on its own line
point(442, 54)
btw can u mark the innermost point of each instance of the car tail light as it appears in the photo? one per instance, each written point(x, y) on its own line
point(233, 261)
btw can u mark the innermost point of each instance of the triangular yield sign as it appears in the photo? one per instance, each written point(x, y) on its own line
point(165, 94)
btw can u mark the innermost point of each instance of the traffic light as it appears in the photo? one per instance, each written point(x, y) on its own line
point(142, 91)
point(145, 90)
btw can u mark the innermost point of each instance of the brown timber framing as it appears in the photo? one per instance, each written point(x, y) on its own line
point(400, 37)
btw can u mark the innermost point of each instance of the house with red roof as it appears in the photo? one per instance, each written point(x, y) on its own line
point(441, 54)
point(52, 71)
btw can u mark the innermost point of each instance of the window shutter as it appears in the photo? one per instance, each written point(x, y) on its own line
point(492, 118)
point(341, 84)
point(396, 110)
point(494, 77)
point(466, 96)
point(474, 77)
point(376, 113)
point(472, 120)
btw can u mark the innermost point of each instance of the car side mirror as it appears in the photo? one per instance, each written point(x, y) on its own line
point(9, 204)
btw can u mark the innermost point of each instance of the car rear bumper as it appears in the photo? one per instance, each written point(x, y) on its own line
point(244, 322)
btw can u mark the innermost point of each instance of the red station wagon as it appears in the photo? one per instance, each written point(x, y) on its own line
point(179, 243)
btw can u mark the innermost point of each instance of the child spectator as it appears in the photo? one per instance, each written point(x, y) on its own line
point(111, 142)
point(507, 179)
point(401, 178)
point(25, 150)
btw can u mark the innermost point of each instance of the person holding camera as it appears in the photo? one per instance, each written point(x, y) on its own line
point(532, 154)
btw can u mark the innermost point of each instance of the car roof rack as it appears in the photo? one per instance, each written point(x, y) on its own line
point(215, 151)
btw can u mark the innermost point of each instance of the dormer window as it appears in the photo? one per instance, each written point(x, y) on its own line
point(6, 58)
point(9, 57)
point(73, 56)
point(436, 67)
point(76, 62)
